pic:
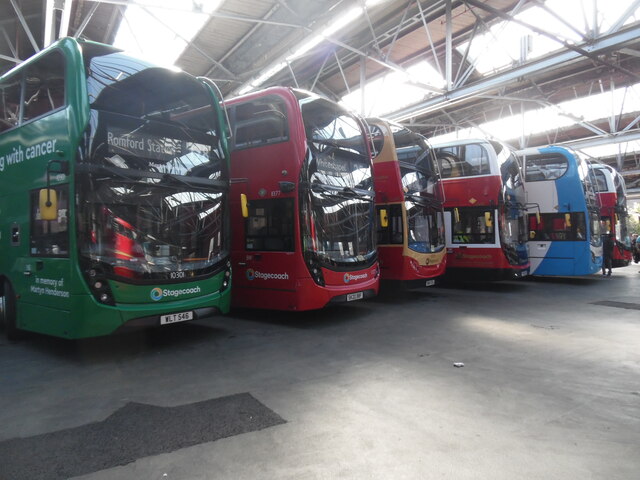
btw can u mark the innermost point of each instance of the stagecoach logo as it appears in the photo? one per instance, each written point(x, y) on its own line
point(253, 274)
point(159, 293)
point(156, 294)
point(349, 277)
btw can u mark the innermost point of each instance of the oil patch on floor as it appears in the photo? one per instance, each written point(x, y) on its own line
point(627, 305)
point(134, 431)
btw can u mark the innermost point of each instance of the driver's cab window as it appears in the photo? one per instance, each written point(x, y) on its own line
point(50, 238)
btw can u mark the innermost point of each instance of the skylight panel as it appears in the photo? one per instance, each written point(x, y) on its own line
point(394, 90)
point(548, 119)
point(337, 23)
point(612, 150)
point(503, 46)
point(159, 30)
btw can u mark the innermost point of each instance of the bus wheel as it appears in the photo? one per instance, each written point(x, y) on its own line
point(8, 313)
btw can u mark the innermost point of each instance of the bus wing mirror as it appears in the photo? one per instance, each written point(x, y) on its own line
point(48, 204)
point(487, 219)
point(384, 218)
point(567, 219)
point(245, 205)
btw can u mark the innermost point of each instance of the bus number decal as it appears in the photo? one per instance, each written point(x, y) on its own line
point(178, 274)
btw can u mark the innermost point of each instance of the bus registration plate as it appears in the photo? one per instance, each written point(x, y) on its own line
point(430, 283)
point(176, 317)
point(355, 296)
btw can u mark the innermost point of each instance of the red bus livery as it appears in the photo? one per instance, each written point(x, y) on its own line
point(484, 210)
point(411, 240)
point(612, 194)
point(302, 202)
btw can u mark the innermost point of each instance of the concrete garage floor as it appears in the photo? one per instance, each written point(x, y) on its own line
point(550, 388)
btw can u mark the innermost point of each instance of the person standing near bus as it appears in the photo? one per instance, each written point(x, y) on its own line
point(635, 248)
point(607, 253)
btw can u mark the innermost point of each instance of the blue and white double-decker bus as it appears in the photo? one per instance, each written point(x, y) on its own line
point(563, 213)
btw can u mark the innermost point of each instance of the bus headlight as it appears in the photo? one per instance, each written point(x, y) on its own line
point(99, 286)
point(226, 279)
point(316, 273)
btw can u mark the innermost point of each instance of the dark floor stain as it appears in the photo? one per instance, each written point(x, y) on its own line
point(608, 303)
point(134, 431)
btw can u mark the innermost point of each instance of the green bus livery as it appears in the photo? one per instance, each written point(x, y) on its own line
point(113, 194)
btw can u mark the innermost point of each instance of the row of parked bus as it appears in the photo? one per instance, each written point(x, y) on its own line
point(129, 193)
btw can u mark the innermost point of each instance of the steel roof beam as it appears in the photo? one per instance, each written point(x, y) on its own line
point(623, 18)
point(228, 16)
point(23, 22)
point(201, 51)
point(86, 20)
point(615, 41)
point(14, 52)
point(540, 31)
point(240, 42)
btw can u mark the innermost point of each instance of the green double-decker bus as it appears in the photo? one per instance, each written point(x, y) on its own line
point(113, 194)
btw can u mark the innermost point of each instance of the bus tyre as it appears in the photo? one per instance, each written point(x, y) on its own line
point(11, 329)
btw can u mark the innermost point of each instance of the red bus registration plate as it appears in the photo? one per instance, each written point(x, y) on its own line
point(176, 317)
point(355, 296)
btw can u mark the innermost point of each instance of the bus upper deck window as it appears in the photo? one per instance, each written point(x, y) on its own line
point(545, 167)
point(9, 103)
point(44, 86)
point(260, 122)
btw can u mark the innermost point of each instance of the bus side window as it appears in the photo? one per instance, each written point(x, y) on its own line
point(9, 103)
point(44, 86)
point(50, 237)
point(269, 226)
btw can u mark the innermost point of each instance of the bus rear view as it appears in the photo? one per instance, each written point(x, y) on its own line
point(564, 214)
point(614, 216)
point(302, 203)
point(409, 203)
point(116, 215)
point(484, 210)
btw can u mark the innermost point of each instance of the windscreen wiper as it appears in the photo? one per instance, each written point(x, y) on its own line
point(133, 176)
point(194, 182)
point(423, 201)
point(139, 176)
point(342, 192)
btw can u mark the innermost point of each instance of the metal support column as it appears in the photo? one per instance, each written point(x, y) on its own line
point(363, 82)
point(449, 46)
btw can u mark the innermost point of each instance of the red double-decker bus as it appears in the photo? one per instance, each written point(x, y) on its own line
point(484, 210)
point(302, 202)
point(612, 193)
point(409, 202)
